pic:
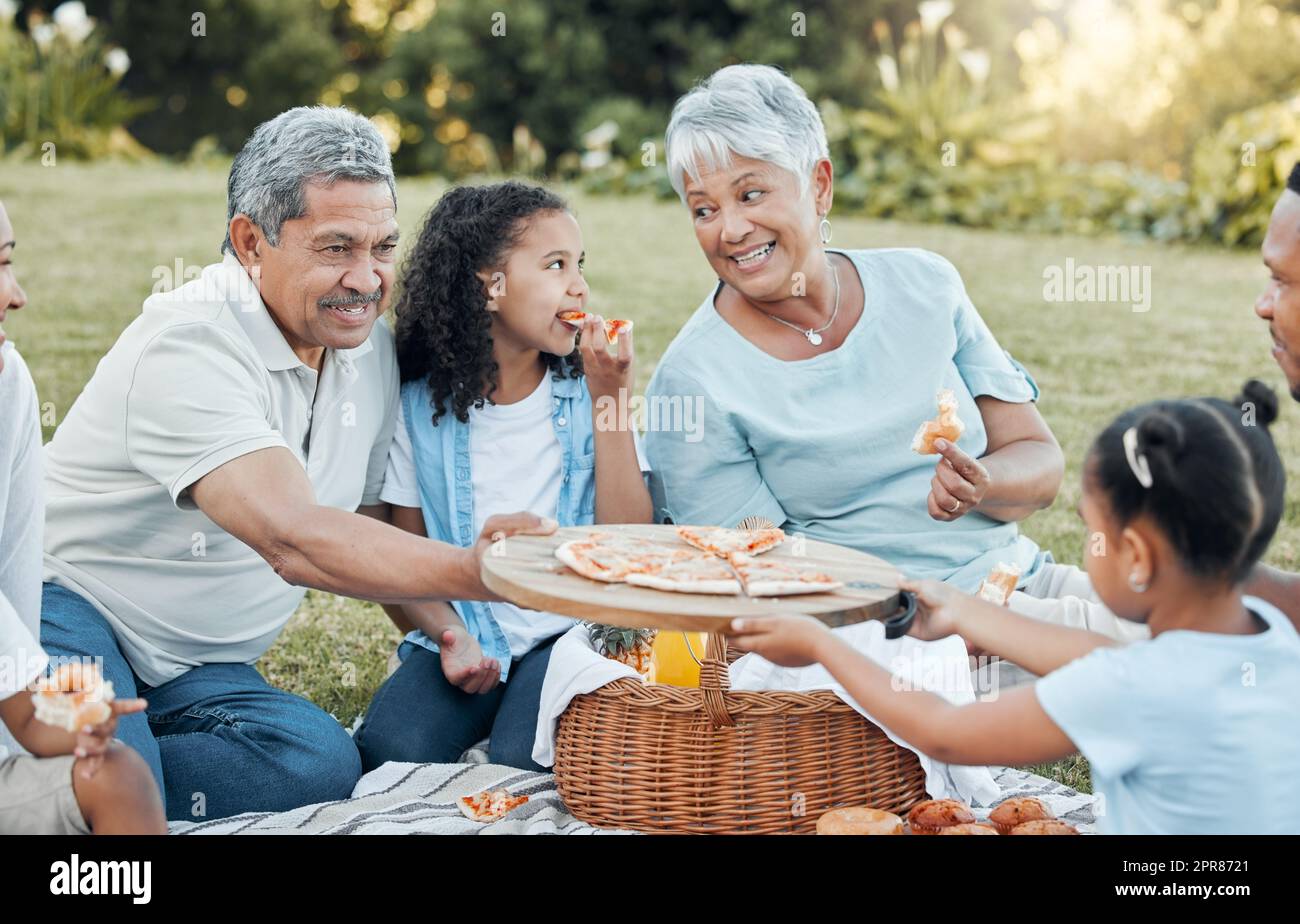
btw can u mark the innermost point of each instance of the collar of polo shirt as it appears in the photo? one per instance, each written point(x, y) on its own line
point(253, 315)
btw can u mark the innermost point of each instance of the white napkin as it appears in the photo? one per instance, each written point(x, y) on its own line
point(942, 666)
point(575, 668)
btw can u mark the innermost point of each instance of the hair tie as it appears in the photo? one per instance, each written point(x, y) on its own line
point(1138, 463)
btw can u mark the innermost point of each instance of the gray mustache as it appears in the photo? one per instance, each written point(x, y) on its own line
point(361, 298)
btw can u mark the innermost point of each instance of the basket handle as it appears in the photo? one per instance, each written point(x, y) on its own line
point(716, 680)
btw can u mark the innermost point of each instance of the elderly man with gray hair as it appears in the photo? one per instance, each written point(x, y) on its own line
point(216, 465)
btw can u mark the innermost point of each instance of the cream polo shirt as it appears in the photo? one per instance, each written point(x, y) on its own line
point(202, 377)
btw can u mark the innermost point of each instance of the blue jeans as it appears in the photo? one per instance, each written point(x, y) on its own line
point(420, 716)
point(219, 739)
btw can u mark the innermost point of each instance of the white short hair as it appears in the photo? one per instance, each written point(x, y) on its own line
point(746, 110)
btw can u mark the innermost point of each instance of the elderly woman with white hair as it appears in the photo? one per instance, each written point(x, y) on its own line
point(815, 366)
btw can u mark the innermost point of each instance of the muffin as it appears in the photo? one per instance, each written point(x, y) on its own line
point(969, 829)
point(1044, 826)
point(1017, 811)
point(930, 816)
point(859, 820)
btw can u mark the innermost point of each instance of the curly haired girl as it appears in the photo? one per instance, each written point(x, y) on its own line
point(498, 413)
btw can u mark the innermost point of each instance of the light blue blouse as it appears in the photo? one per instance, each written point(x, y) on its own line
point(823, 445)
point(1189, 733)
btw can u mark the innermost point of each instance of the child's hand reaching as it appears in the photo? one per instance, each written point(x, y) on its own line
point(937, 609)
point(93, 740)
point(606, 372)
point(790, 641)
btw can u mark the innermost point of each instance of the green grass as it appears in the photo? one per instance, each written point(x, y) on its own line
point(92, 236)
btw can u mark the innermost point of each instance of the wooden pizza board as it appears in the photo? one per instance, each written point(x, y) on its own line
point(525, 571)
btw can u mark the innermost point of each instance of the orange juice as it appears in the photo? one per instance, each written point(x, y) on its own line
point(672, 659)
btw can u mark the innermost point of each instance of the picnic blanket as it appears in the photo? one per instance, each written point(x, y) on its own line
point(403, 798)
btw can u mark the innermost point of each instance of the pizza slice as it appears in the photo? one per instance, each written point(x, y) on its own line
point(999, 585)
point(72, 697)
point(946, 426)
point(770, 578)
point(719, 541)
point(701, 574)
point(610, 558)
point(613, 327)
point(490, 805)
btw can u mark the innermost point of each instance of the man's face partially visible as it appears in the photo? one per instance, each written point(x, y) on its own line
point(1279, 304)
point(332, 274)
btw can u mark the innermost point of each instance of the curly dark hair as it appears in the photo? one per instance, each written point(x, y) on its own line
point(443, 326)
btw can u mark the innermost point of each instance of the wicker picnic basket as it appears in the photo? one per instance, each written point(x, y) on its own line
point(667, 759)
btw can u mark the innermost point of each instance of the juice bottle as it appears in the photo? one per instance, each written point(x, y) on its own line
point(672, 658)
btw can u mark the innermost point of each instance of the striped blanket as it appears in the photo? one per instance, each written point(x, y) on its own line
point(400, 798)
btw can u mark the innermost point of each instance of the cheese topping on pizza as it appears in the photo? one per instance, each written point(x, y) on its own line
point(765, 578)
point(719, 541)
point(489, 805)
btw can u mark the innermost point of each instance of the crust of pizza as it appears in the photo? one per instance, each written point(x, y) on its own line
point(701, 574)
point(728, 587)
point(719, 541)
point(780, 579)
point(945, 426)
point(569, 554)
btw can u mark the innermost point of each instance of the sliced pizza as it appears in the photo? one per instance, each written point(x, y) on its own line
point(489, 805)
point(610, 558)
point(947, 425)
point(72, 697)
point(771, 578)
point(1000, 584)
point(701, 574)
point(719, 541)
point(613, 326)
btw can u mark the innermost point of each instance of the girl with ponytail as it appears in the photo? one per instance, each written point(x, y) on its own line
point(1191, 732)
point(498, 413)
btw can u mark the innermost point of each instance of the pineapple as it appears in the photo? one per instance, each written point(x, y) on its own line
point(632, 647)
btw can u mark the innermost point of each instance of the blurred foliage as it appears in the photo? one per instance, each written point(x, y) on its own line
point(1094, 115)
point(58, 84)
point(1143, 81)
point(1238, 173)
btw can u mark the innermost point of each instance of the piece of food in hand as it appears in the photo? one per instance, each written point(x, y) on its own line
point(633, 647)
point(616, 327)
point(1017, 811)
point(946, 426)
point(613, 326)
point(1045, 826)
point(933, 815)
point(611, 558)
point(72, 697)
point(999, 585)
point(859, 820)
point(489, 805)
point(768, 578)
point(719, 541)
point(703, 575)
point(969, 829)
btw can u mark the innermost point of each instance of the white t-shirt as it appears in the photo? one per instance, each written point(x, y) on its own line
point(517, 463)
point(203, 377)
point(21, 524)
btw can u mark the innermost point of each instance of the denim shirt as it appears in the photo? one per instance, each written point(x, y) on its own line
point(442, 462)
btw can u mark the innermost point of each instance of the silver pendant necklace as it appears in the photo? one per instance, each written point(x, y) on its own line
point(814, 335)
